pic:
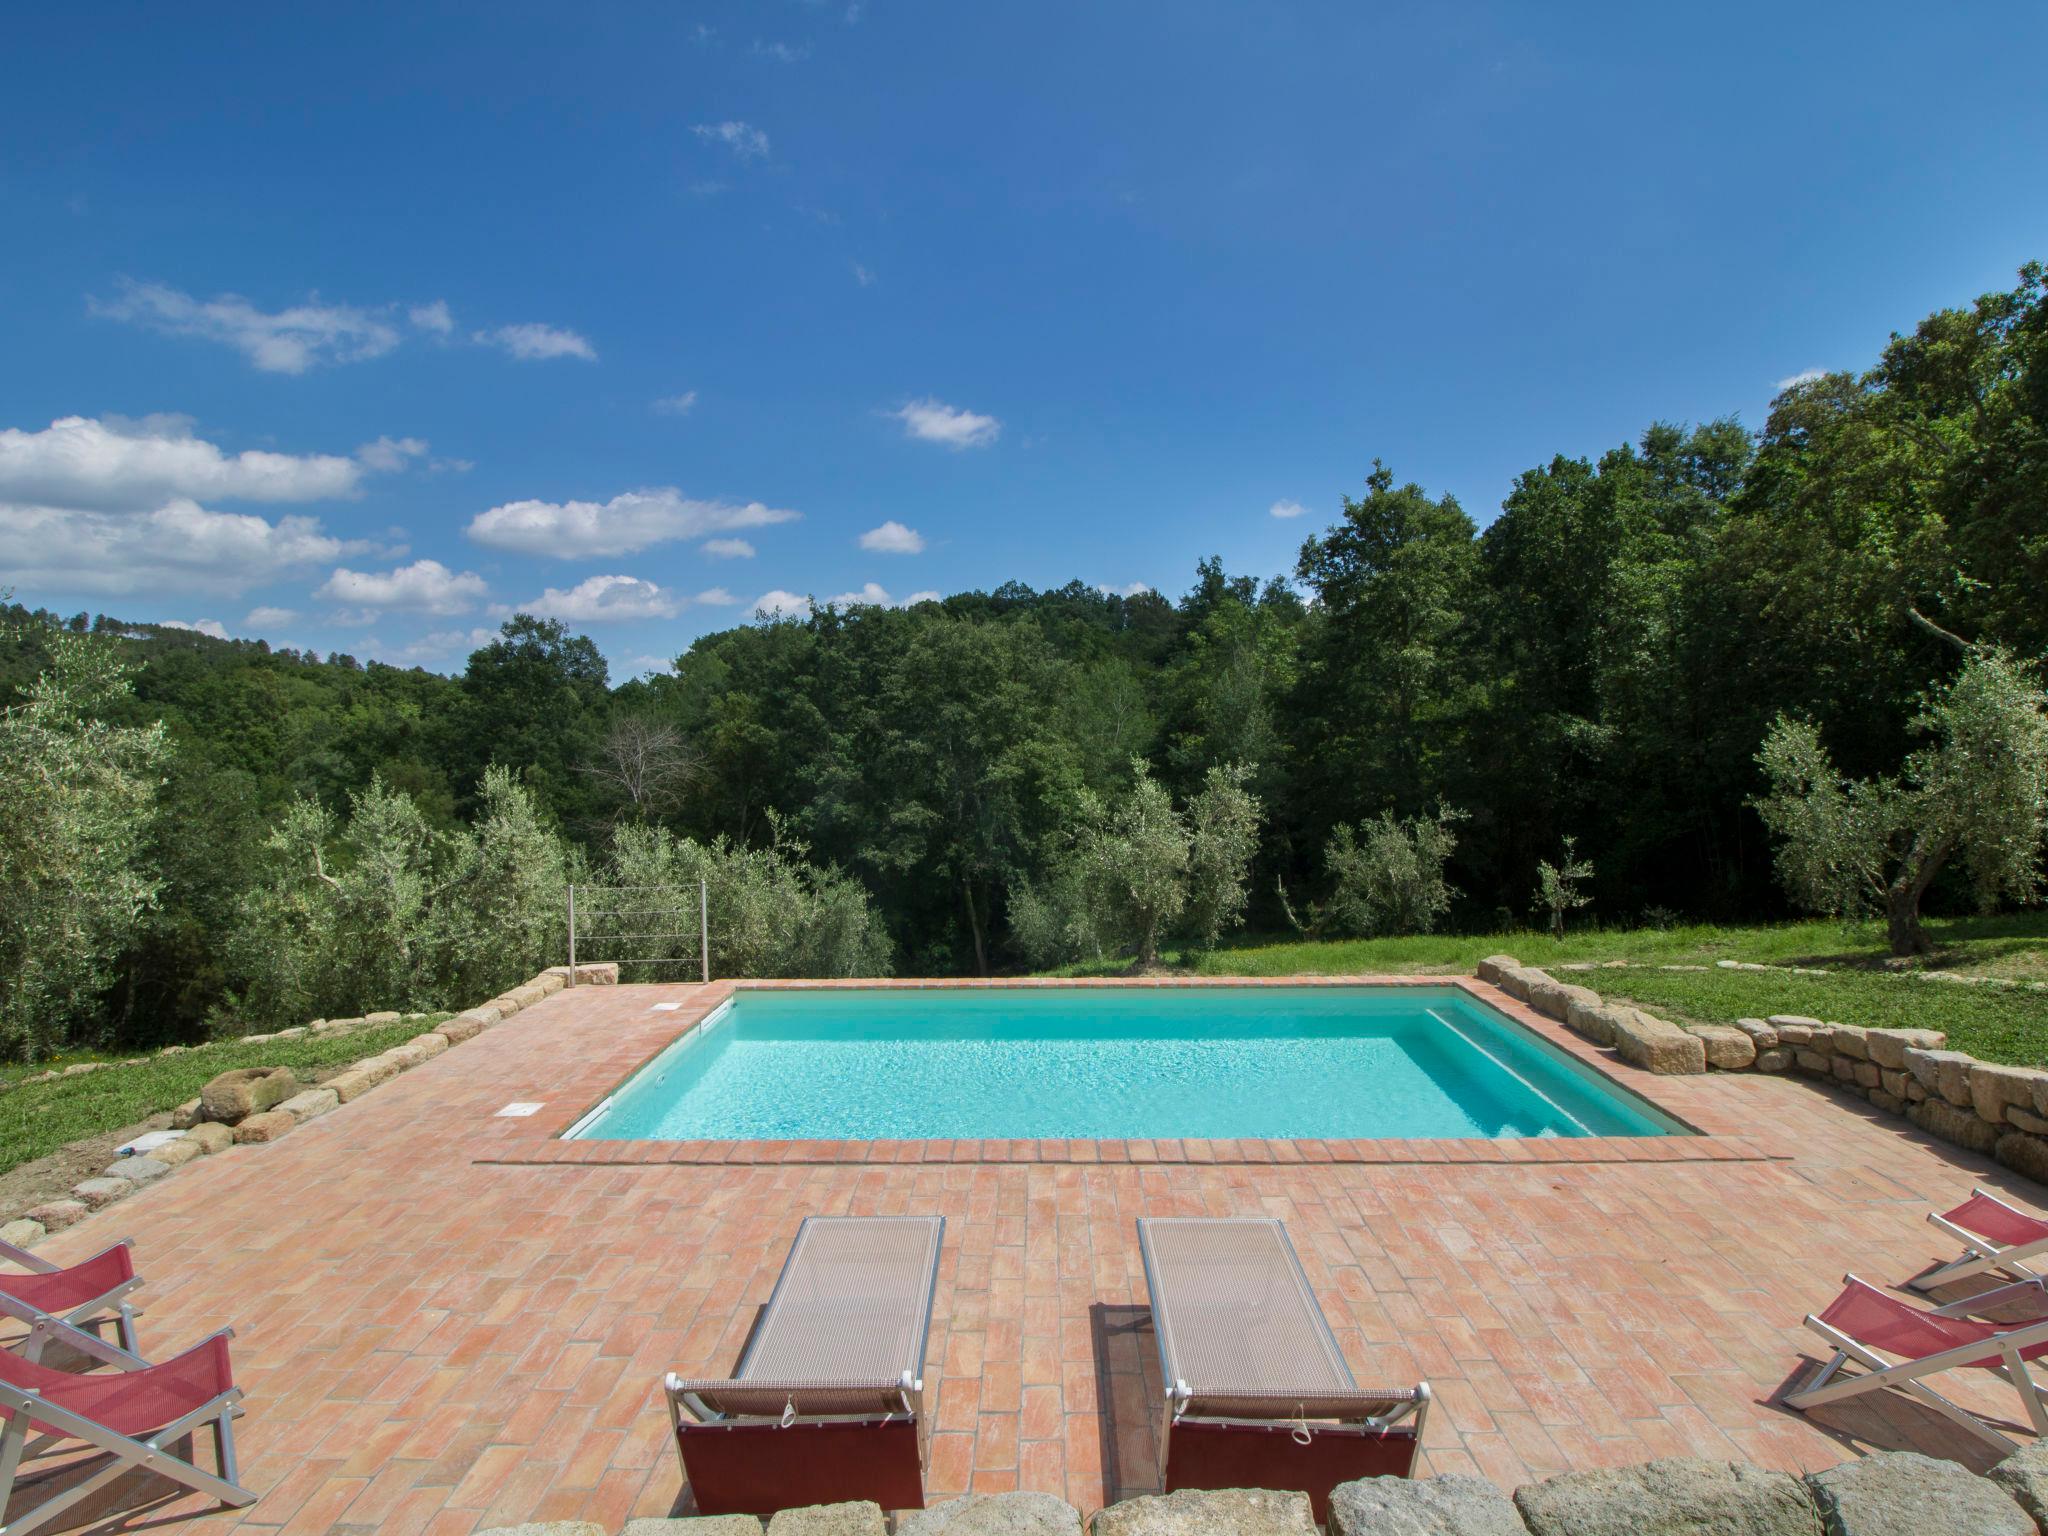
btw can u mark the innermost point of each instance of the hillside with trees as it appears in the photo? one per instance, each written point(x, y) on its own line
point(1709, 672)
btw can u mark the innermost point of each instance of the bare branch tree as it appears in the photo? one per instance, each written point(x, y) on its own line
point(649, 762)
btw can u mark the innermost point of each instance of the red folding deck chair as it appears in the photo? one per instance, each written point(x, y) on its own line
point(1257, 1394)
point(1994, 1235)
point(53, 1303)
point(1865, 1325)
point(132, 1415)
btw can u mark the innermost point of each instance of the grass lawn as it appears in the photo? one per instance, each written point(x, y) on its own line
point(38, 1118)
point(1993, 1023)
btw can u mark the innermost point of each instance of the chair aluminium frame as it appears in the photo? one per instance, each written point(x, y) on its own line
point(1256, 1391)
point(1994, 1235)
point(2003, 1350)
point(186, 1393)
point(827, 1404)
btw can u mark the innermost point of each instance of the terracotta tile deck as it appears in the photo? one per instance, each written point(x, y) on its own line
point(442, 1325)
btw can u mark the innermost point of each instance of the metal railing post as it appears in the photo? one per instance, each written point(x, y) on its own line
point(704, 925)
point(572, 934)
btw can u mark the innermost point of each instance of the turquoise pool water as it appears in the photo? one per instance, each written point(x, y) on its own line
point(1114, 1063)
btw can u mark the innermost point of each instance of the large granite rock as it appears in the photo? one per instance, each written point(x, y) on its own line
point(210, 1138)
point(2024, 1154)
point(693, 1525)
point(137, 1170)
point(187, 1114)
point(22, 1233)
point(1493, 967)
point(176, 1154)
point(234, 1096)
point(1673, 1497)
point(96, 1193)
point(1209, 1512)
point(1433, 1506)
point(1729, 1049)
point(460, 1028)
point(1902, 1493)
point(1556, 999)
point(856, 1519)
point(2024, 1475)
point(309, 1104)
point(1888, 1047)
point(1993, 1087)
point(271, 1125)
point(1650, 1042)
point(994, 1514)
point(1963, 1127)
point(1595, 1020)
point(56, 1215)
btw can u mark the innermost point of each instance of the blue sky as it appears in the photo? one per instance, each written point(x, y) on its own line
point(356, 331)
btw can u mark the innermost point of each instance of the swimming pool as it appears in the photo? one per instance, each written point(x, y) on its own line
point(1114, 1063)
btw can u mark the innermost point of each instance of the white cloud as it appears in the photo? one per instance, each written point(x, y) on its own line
point(289, 340)
point(929, 595)
point(642, 665)
point(579, 530)
point(728, 549)
point(892, 538)
point(676, 405)
point(1287, 509)
point(268, 617)
point(602, 598)
point(715, 597)
point(1131, 589)
point(1805, 376)
point(178, 546)
point(873, 594)
point(865, 276)
point(442, 645)
point(425, 586)
point(113, 464)
point(435, 317)
point(781, 53)
point(212, 627)
point(388, 455)
point(933, 421)
point(743, 139)
point(534, 342)
point(781, 605)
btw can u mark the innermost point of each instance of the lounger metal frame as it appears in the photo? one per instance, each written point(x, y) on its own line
point(45, 1328)
point(20, 1408)
point(1980, 1254)
point(1824, 1387)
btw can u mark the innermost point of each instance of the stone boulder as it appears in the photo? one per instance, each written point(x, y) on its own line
point(22, 1233)
point(1959, 1126)
point(2023, 1154)
point(383, 1016)
point(1597, 1021)
point(99, 1192)
point(1673, 1497)
point(1994, 1087)
point(2024, 1475)
point(309, 1104)
point(1493, 967)
point(693, 1525)
point(1555, 999)
point(1888, 1047)
point(1208, 1512)
point(362, 1077)
point(1728, 1048)
point(994, 1514)
point(854, 1519)
point(234, 1096)
point(210, 1138)
point(1649, 1042)
point(268, 1126)
point(187, 1115)
point(1848, 1040)
point(138, 1170)
point(1778, 1060)
point(460, 1028)
point(56, 1215)
point(1761, 1033)
point(1902, 1493)
point(1434, 1506)
point(176, 1154)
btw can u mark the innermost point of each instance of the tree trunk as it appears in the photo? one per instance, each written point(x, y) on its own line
point(974, 923)
point(1148, 947)
point(1902, 897)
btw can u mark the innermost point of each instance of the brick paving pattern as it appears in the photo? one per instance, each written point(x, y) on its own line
point(441, 1330)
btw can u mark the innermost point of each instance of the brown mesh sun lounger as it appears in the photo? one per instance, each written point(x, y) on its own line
point(828, 1402)
point(1257, 1392)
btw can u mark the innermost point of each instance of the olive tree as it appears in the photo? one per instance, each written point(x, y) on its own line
point(78, 797)
point(1557, 886)
point(1132, 871)
point(1389, 876)
point(1975, 793)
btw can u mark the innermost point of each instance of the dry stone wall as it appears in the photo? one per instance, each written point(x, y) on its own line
point(1983, 1106)
point(254, 1105)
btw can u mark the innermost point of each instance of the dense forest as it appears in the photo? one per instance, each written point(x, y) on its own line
point(1602, 662)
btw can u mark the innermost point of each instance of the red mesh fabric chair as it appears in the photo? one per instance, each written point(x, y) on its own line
point(1257, 1391)
point(827, 1405)
point(60, 1304)
point(1994, 1235)
point(132, 1416)
point(1865, 1325)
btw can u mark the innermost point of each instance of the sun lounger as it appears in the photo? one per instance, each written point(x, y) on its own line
point(1865, 1325)
point(1257, 1392)
point(1994, 1235)
point(828, 1402)
point(61, 1304)
point(134, 1416)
